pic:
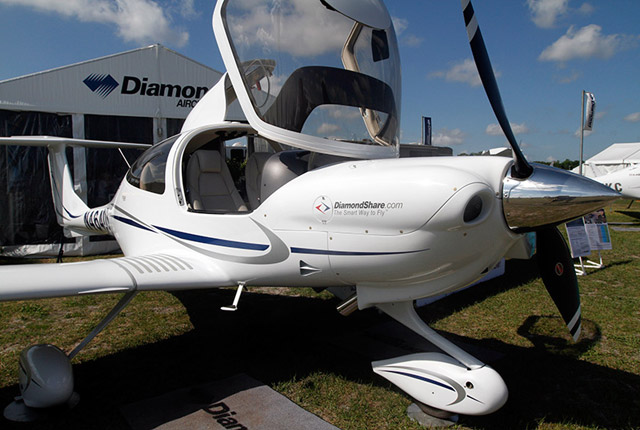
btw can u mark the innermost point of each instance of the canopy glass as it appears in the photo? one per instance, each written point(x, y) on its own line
point(315, 73)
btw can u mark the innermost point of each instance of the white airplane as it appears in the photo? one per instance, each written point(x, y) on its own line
point(329, 203)
point(626, 181)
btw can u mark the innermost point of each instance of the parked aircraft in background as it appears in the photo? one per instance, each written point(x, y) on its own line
point(625, 181)
point(325, 200)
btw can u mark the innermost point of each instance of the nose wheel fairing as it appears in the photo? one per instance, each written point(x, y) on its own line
point(455, 382)
point(441, 382)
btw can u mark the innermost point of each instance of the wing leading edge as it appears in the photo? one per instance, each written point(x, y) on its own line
point(144, 273)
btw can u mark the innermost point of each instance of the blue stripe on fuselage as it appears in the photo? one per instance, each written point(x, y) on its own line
point(254, 246)
point(213, 240)
point(295, 250)
point(131, 222)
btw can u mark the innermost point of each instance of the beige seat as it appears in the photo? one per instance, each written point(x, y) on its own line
point(253, 175)
point(211, 187)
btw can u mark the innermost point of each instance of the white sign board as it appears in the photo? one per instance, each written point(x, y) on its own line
point(590, 233)
point(578, 240)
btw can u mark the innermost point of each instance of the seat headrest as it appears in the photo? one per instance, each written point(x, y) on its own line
point(208, 161)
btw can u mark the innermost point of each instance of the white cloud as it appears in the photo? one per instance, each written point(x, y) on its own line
point(413, 41)
point(586, 9)
point(254, 24)
point(545, 12)
point(465, 71)
point(341, 112)
point(273, 84)
point(399, 24)
point(493, 130)
point(586, 42)
point(496, 130)
point(186, 8)
point(446, 137)
point(597, 117)
point(326, 129)
point(519, 128)
point(138, 21)
point(633, 117)
point(567, 79)
point(586, 132)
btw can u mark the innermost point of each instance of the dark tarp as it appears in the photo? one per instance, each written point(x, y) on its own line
point(174, 125)
point(26, 214)
point(105, 167)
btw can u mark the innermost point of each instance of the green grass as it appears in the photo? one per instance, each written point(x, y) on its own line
point(162, 342)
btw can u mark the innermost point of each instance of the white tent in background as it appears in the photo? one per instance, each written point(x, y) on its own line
point(616, 157)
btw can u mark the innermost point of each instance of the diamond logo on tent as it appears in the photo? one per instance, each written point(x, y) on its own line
point(103, 85)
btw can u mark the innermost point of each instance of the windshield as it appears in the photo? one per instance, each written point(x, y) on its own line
point(148, 171)
point(310, 69)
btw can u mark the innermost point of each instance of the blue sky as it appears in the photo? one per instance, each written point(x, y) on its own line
point(545, 52)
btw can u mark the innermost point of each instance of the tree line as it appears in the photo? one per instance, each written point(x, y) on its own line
point(566, 164)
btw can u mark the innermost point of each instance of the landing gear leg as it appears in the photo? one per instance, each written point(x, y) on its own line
point(405, 313)
point(124, 301)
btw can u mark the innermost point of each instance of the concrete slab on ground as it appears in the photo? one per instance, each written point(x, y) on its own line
point(239, 403)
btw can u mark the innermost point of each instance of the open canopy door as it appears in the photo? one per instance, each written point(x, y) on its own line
point(317, 75)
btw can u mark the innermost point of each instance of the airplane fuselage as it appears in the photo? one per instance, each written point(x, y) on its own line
point(350, 223)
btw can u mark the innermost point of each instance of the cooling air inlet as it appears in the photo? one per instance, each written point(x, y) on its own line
point(473, 209)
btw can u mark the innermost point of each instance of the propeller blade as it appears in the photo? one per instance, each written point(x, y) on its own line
point(559, 277)
point(521, 168)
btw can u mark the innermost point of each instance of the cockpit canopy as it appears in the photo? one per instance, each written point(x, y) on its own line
point(322, 75)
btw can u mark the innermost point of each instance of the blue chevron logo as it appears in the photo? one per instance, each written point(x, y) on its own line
point(101, 84)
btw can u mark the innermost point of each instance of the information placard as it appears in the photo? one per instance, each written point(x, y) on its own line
point(578, 239)
point(598, 230)
point(589, 233)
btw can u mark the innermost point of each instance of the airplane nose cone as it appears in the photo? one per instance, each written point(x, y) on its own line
point(551, 196)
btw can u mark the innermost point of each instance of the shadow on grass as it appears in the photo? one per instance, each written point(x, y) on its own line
point(278, 338)
point(632, 214)
point(540, 332)
point(552, 385)
point(517, 273)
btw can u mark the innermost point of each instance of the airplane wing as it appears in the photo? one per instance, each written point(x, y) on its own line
point(123, 274)
point(67, 141)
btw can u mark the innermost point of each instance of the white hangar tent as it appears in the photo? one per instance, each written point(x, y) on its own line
point(616, 157)
point(140, 96)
